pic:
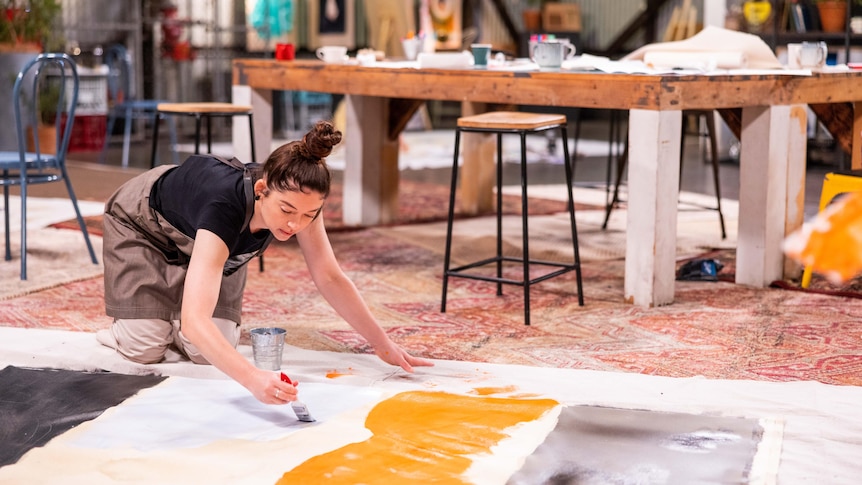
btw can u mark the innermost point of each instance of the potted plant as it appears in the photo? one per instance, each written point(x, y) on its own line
point(46, 117)
point(532, 15)
point(27, 28)
point(28, 25)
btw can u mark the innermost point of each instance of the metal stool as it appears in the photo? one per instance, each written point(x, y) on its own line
point(208, 111)
point(199, 111)
point(707, 115)
point(502, 122)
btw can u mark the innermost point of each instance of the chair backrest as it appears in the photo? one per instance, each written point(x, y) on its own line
point(119, 74)
point(46, 89)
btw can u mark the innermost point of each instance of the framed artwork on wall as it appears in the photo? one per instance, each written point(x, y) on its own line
point(331, 22)
point(269, 22)
point(446, 22)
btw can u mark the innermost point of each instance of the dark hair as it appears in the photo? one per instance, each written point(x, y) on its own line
point(300, 165)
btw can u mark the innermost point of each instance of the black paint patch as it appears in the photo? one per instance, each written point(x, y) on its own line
point(37, 405)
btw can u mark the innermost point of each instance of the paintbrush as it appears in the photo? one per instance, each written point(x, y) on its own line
point(300, 409)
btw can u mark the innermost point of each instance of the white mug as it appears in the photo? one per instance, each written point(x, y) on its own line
point(551, 54)
point(812, 55)
point(335, 54)
point(793, 55)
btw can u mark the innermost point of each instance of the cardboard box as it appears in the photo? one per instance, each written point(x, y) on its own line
point(561, 17)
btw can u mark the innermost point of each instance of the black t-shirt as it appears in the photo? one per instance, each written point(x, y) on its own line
point(206, 193)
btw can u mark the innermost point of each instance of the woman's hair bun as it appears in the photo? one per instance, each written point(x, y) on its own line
point(321, 138)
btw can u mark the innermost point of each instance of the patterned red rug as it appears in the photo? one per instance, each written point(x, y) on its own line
point(417, 203)
point(818, 284)
point(713, 329)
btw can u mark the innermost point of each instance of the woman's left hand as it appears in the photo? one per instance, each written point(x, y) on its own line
point(392, 353)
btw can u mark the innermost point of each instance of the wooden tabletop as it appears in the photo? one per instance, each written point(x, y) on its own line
point(832, 95)
point(546, 88)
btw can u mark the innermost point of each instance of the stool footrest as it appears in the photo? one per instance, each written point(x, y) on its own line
point(459, 271)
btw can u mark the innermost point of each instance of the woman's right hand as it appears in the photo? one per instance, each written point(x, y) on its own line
point(268, 388)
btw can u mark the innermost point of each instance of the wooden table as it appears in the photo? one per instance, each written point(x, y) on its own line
point(770, 110)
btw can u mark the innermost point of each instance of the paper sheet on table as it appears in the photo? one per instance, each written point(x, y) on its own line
point(715, 40)
point(587, 62)
point(705, 61)
point(445, 60)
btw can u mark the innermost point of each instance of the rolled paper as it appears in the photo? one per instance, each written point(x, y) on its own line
point(705, 61)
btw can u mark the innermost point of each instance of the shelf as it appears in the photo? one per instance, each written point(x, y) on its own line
point(832, 38)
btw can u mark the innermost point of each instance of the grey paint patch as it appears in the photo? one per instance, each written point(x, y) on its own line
point(597, 445)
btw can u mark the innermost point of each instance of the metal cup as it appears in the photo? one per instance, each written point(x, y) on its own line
point(267, 345)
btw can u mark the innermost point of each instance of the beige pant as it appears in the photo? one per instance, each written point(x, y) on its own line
point(150, 341)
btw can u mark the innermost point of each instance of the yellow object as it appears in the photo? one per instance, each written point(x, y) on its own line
point(832, 244)
point(756, 12)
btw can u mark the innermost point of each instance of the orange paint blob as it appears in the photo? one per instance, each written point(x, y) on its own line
point(487, 391)
point(334, 373)
point(420, 437)
point(830, 243)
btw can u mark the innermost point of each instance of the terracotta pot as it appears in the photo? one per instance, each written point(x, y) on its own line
point(532, 19)
point(833, 15)
point(47, 139)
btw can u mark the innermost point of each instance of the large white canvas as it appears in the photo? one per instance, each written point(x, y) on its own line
point(818, 420)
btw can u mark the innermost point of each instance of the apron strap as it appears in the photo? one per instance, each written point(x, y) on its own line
point(249, 196)
point(247, 181)
point(248, 170)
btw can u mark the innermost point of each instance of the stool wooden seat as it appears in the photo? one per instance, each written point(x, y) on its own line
point(203, 110)
point(511, 122)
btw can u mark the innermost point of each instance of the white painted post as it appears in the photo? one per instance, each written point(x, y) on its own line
point(653, 186)
point(370, 186)
point(763, 197)
point(261, 102)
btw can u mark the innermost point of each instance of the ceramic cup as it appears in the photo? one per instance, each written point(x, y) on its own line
point(411, 47)
point(285, 52)
point(793, 55)
point(812, 55)
point(551, 54)
point(333, 54)
point(481, 54)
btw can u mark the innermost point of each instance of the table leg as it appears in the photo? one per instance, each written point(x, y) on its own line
point(653, 185)
point(797, 141)
point(261, 102)
point(856, 146)
point(477, 162)
point(371, 163)
point(766, 163)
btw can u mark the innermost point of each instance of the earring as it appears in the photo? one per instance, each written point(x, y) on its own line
point(257, 197)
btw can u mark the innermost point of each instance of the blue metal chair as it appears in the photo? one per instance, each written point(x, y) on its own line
point(45, 75)
point(123, 102)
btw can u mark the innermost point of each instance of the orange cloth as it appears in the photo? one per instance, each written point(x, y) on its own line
point(831, 244)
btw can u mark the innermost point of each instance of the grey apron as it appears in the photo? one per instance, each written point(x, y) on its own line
point(146, 258)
